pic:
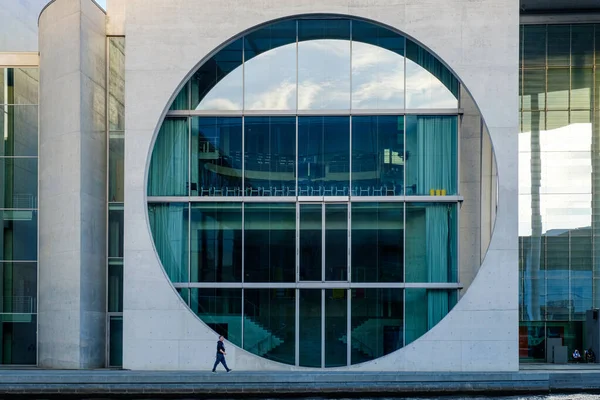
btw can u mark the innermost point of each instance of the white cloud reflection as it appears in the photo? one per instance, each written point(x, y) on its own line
point(324, 69)
point(565, 185)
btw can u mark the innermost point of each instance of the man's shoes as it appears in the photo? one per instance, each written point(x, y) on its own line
point(229, 370)
point(214, 372)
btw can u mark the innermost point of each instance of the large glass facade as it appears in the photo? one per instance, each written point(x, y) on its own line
point(300, 183)
point(558, 184)
point(19, 214)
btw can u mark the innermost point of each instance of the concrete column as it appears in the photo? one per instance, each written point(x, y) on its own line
point(470, 189)
point(72, 195)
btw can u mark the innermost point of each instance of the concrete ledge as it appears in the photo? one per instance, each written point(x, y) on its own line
point(174, 384)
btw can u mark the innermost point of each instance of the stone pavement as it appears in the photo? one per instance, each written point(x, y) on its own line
point(538, 378)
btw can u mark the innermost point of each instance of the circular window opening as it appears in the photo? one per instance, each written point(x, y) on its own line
point(315, 165)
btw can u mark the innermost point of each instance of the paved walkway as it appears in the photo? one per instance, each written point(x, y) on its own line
point(537, 378)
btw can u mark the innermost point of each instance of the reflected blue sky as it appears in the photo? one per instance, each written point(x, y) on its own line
point(101, 3)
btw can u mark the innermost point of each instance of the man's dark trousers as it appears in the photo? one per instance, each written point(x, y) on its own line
point(220, 359)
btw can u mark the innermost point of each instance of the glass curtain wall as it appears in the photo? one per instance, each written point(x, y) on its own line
point(19, 213)
point(315, 216)
point(558, 184)
point(116, 161)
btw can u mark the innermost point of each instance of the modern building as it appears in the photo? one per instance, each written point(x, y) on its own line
point(393, 185)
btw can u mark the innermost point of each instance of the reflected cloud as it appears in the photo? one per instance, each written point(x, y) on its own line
point(323, 73)
point(280, 97)
point(565, 179)
point(377, 77)
point(270, 80)
point(423, 90)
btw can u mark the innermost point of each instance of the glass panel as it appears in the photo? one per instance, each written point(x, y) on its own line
point(20, 235)
point(115, 230)
point(559, 46)
point(336, 242)
point(566, 172)
point(185, 295)
point(581, 297)
point(431, 155)
point(378, 156)
point(377, 326)
point(534, 274)
point(270, 67)
point(336, 327)
point(551, 140)
point(558, 89)
point(582, 45)
point(116, 167)
point(558, 305)
point(269, 324)
point(571, 334)
point(561, 212)
point(20, 182)
point(597, 43)
point(311, 244)
point(115, 357)
point(532, 341)
point(19, 339)
point(534, 45)
point(270, 242)
point(581, 117)
point(324, 64)
point(116, 84)
point(581, 253)
point(169, 224)
point(19, 126)
point(429, 84)
point(181, 101)
point(424, 309)
point(377, 67)
point(19, 287)
point(216, 156)
point(597, 87)
point(310, 328)
point(218, 84)
point(221, 310)
point(534, 89)
point(582, 84)
point(168, 175)
point(19, 85)
point(270, 156)
point(377, 242)
point(115, 285)
point(431, 243)
point(323, 156)
point(557, 257)
point(216, 241)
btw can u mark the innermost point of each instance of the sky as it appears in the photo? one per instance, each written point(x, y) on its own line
point(102, 3)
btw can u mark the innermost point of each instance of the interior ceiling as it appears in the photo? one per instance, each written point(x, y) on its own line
point(559, 6)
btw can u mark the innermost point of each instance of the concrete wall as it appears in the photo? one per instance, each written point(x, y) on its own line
point(166, 39)
point(18, 24)
point(72, 195)
point(115, 18)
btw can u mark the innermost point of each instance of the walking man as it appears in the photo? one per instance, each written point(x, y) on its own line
point(221, 355)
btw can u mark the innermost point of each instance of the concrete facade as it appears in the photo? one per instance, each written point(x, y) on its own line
point(72, 225)
point(167, 39)
point(18, 20)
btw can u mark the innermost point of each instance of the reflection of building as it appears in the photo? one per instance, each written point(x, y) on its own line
point(316, 182)
point(557, 183)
